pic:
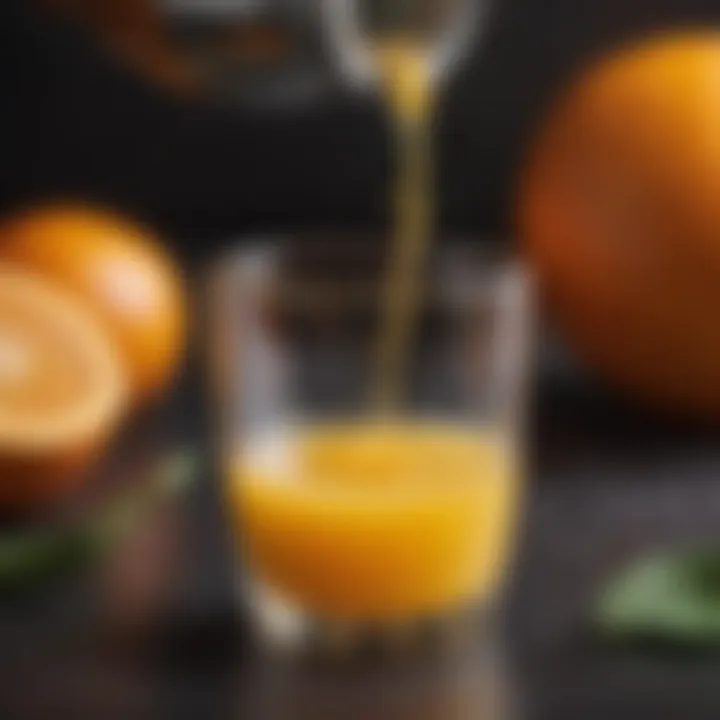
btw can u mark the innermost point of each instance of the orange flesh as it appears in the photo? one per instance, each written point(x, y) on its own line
point(41, 372)
point(59, 374)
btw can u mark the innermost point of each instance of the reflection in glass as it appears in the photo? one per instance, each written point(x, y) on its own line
point(475, 684)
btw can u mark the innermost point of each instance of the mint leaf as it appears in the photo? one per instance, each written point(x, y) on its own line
point(29, 559)
point(672, 598)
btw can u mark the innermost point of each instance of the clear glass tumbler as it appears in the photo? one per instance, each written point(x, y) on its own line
point(356, 526)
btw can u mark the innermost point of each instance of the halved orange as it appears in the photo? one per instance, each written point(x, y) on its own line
point(120, 271)
point(63, 389)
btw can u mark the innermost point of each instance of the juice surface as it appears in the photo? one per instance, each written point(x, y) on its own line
point(376, 521)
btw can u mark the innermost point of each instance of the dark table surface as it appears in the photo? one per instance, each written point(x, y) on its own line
point(153, 632)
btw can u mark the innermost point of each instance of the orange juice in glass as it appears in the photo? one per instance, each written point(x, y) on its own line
point(351, 522)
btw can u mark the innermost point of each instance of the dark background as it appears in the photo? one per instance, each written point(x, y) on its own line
point(607, 484)
point(78, 123)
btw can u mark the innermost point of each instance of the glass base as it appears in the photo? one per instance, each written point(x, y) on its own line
point(476, 683)
point(284, 628)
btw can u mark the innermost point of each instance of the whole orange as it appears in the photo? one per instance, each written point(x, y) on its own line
point(619, 209)
point(122, 273)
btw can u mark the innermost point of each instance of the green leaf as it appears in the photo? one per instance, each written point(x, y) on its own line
point(672, 598)
point(30, 558)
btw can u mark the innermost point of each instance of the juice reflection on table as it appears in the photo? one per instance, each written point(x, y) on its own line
point(371, 521)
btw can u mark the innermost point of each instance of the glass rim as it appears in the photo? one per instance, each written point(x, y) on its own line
point(462, 271)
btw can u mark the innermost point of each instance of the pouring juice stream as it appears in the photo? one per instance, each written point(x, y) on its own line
point(404, 69)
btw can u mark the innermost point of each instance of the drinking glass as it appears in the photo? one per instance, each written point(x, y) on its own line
point(355, 526)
